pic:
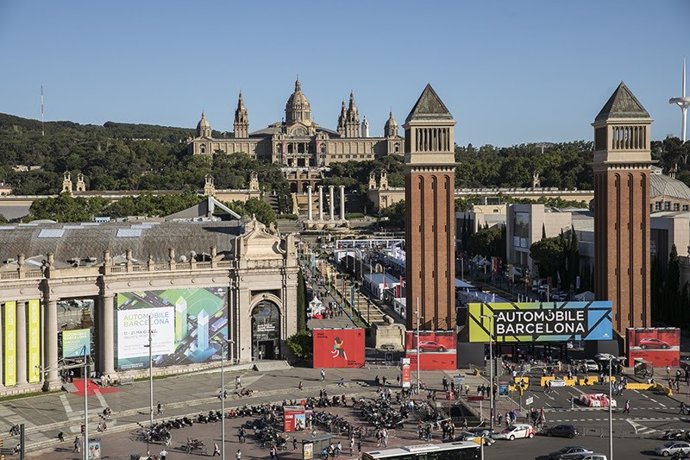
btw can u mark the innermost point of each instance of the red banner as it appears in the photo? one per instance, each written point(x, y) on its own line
point(405, 371)
point(437, 350)
point(659, 346)
point(338, 348)
point(294, 418)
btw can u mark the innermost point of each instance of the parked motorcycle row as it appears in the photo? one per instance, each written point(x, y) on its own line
point(381, 413)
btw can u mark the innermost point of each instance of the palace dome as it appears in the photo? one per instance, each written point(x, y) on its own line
point(297, 107)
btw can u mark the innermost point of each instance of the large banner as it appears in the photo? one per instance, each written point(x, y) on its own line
point(10, 351)
point(187, 325)
point(74, 341)
point(437, 350)
point(338, 348)
point(539, 321)
point(34, 340)
point(659, 346)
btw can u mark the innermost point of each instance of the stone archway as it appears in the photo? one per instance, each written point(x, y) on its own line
point(266, 324)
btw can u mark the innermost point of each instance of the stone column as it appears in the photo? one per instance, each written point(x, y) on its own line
point(342, 202)
point(50, 346)
point(332, 203)
point(106, 341)
point(2, 349)
point(21, 343)
point(309, 209)
point(320, 203)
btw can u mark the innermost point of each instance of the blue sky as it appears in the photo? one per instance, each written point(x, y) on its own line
point(509, 71)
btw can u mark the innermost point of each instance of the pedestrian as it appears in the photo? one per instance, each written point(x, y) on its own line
point(163, 454)
point(274, 453)
point(352, 445)
point(323, 375)
point(61, 436)
point(627, 406)
point(159, 408)
point(300, 386)
point(238, 455)
point(238, 382)
point(294, 443)
point(216, 450)
point(359, 446)
point(683, 409)
point(77, 444)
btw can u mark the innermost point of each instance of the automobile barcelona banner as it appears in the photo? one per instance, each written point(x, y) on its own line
point(539, 321)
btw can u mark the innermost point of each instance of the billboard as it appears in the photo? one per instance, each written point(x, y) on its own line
point(659, 346)
point(34, 341)
point(405, 381)
point(10, 351)
point(437, 349)
point(539, 321)
point(294, 418)
point(74, 341)
point(187, 326)
point(338, 347)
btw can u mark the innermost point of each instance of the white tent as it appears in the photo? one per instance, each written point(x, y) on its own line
point(586, 296)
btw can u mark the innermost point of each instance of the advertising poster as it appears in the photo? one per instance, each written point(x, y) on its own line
point(307, 450)
point(539, 321)
point(94, 449)
point(338, 348)
point(405, 381)
point(188, 326)
point(437, 350)
point(10, 351)
point(74, 341)
point(659, 346)
point(33, 319)
point(294, 418)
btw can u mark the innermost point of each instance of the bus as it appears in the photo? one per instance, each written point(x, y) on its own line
point(447, 451)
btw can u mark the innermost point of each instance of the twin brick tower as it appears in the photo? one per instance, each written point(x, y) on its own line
point(622, 159)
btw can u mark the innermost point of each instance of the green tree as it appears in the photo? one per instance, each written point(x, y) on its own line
point(487, 241)
point(301, 345)
point(254, 207)
point(301, 303)
point(548, 254)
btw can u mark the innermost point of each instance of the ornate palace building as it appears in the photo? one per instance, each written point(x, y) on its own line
point(302, 146)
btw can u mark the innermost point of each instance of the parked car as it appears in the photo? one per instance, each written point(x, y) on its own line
point(564, 431)
point(597, 400)
point(555, 383)
point(474, 437)
point(589, 457)
point(590, 365)
point(517, 431)
point(651, 342)
point(568, 452)
point(429, 345)
point(672, 448)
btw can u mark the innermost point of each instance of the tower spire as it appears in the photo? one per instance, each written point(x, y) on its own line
point(683, 102)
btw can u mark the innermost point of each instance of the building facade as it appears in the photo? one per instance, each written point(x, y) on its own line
point(622, 159)
point(429, 214)
point(72, 289)
point(298, 143)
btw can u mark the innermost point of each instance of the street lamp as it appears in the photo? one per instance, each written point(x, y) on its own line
point(418, 350)
point(222, 395)
point(610, 411)
point(491, 371)
point(85, 443)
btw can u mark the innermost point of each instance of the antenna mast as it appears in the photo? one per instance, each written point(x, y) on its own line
point(43, 129)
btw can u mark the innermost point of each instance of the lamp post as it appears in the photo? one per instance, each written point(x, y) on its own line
point(85, 443)
point(223, 348)
point(418, 351)
point(150, 347)
point(610, 412)
point(491, 372)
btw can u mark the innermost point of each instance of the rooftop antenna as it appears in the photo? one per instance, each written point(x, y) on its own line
point(683, 102)
point(43, 129)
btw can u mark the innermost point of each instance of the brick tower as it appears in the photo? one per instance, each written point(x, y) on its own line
point(622, 159)
point(430, 213)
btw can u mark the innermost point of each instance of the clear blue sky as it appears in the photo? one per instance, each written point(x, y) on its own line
point(509, 71)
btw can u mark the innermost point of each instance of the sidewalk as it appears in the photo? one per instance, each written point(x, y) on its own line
point(46, 415)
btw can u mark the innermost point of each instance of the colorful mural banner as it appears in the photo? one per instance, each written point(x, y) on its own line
point(10, 352)
point(34, 340)
point(539, 321)
point(437, 349)
point(187, 326)
point(74, 341)
point(405, 371)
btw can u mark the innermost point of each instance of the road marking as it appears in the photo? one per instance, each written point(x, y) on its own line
point(100, 398)
point(66, 405)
